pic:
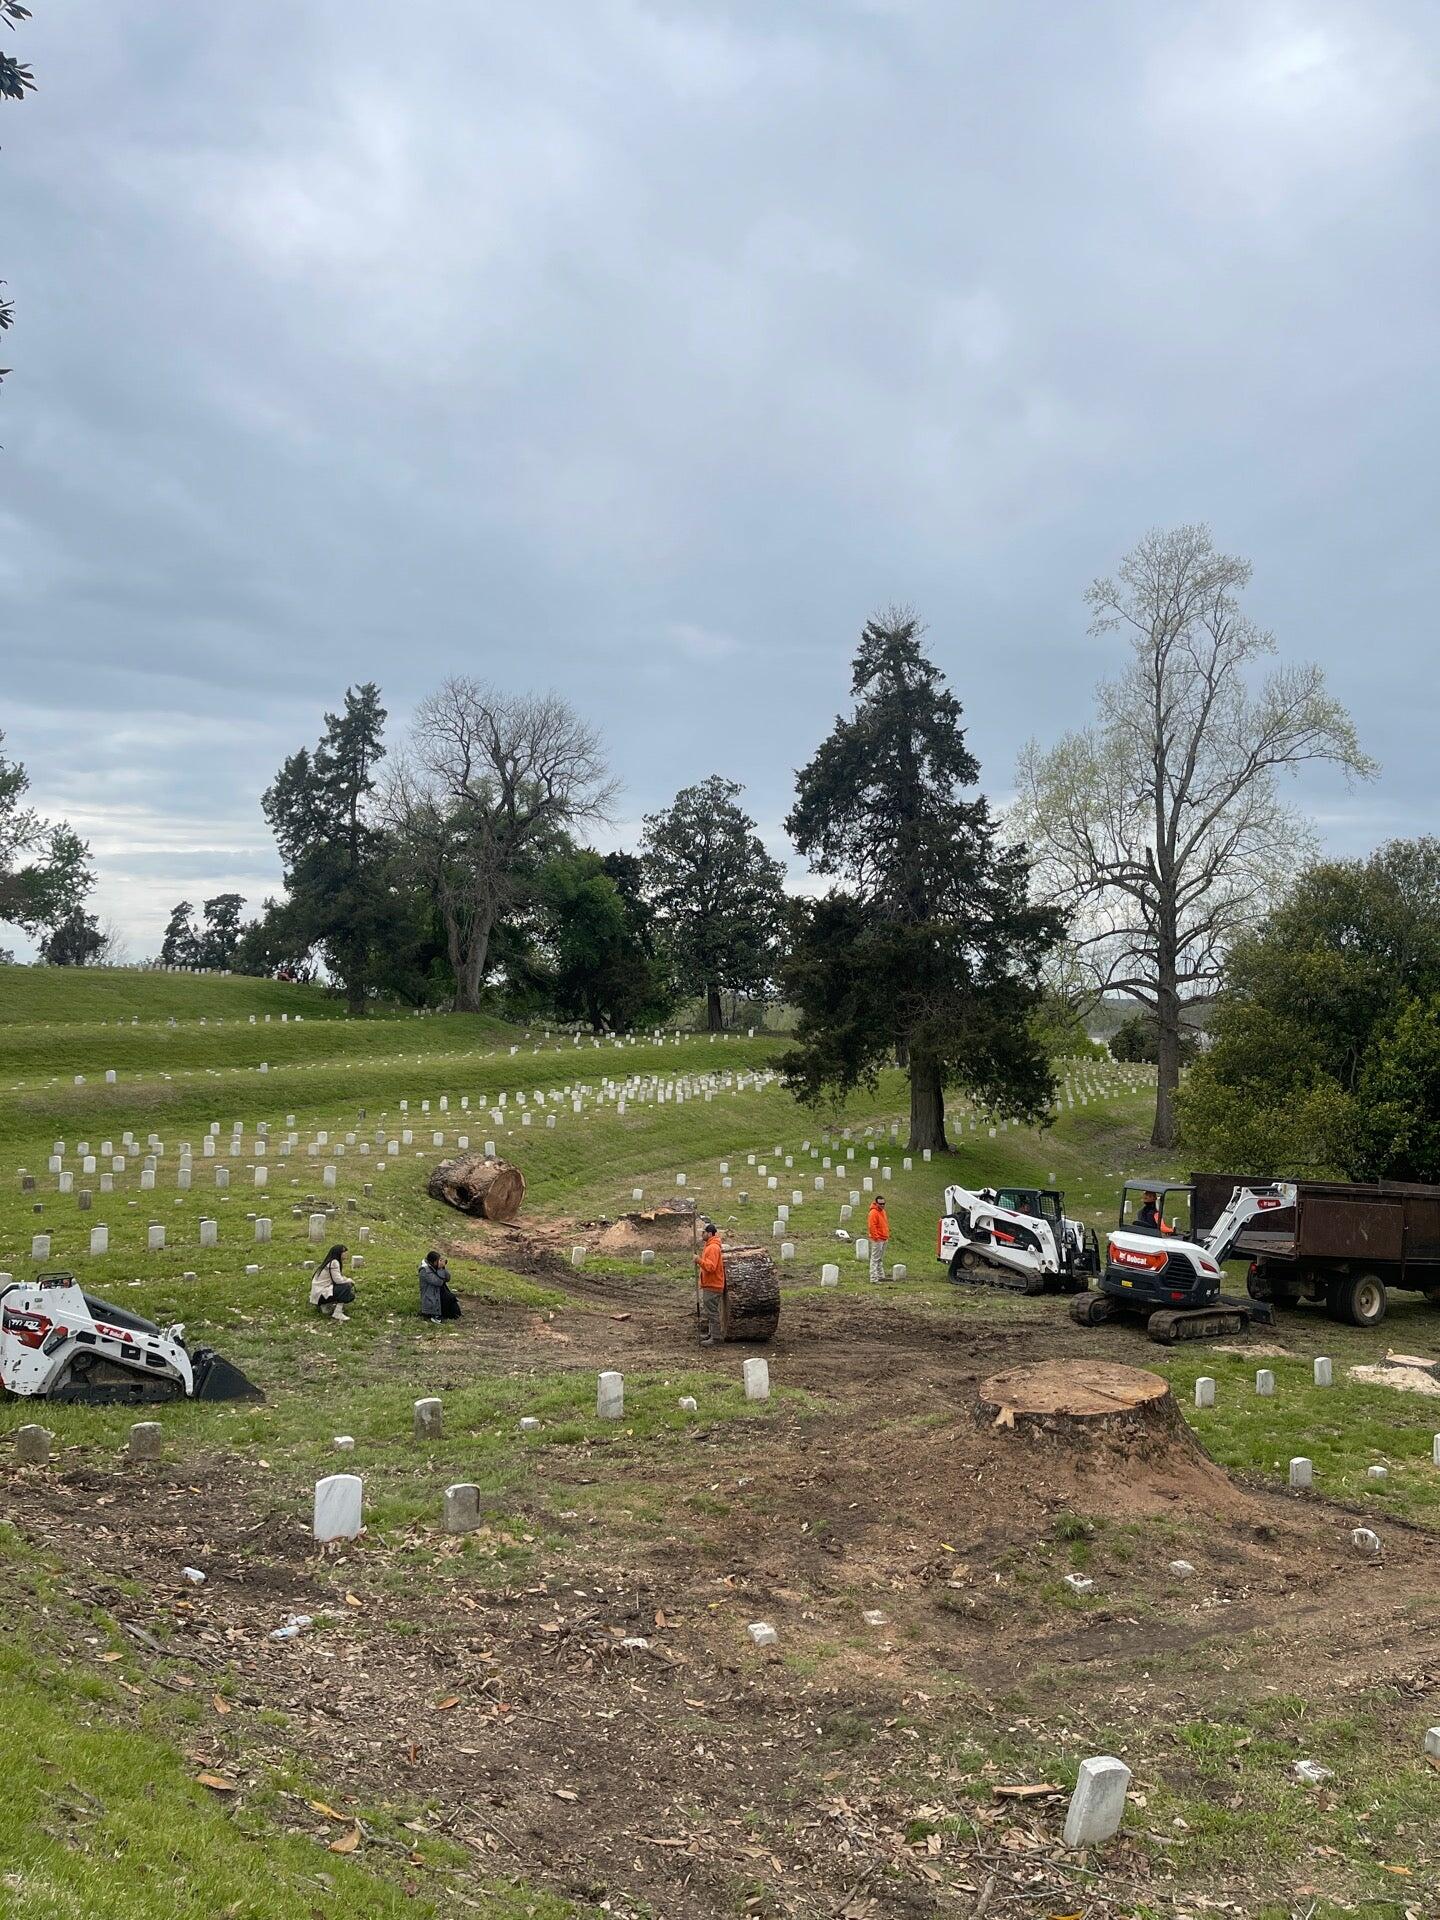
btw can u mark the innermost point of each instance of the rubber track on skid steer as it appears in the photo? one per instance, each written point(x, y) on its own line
point(983, 1274)
point(146, 1393)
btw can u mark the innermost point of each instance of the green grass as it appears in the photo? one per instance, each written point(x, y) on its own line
point(1343, 1429)
point(105, 1815)
point(66, 996)
point(351, 1077)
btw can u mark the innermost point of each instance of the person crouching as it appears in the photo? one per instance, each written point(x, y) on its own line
point(330, 1291)
point(437, 1298)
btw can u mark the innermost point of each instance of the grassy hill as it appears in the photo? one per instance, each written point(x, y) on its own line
point(81, 996)
point(466, 1716)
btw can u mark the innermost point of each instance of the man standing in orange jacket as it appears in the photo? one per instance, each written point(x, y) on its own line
point(711, 1262)
point(878, 1229)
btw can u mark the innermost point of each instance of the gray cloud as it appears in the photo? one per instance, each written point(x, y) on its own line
point(641, 350)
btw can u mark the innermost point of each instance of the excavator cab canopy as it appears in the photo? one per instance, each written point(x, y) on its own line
point(1174, 1202)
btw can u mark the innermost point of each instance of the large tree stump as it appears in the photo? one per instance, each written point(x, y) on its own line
point(488, 1189)
point(750, 1309)
point(1106, 1438)
point(1074, 1400)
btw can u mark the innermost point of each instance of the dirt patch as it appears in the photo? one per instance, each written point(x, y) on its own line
point(599, 1722)
point(667, 1229)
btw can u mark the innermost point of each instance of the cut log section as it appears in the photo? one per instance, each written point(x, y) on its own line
point(487, 1189)
point(750, 1309)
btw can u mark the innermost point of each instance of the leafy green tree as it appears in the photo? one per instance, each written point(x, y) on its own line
point(931, 949)
point(44, 865)
point(1322, 1059)
point(276, 943)
point(1060, 1030)
point(603, 970)
point(337, 858)
point(221, 935)
point(77, 941)
point(719, 897)
point(1138, 1039)
point(181, 945)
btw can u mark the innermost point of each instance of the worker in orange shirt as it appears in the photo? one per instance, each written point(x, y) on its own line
point(878, 1229)
point(711, 1262)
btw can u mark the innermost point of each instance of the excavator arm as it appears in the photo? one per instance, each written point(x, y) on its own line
point(1246, 1204)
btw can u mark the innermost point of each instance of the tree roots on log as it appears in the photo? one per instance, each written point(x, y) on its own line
point(487, 1189)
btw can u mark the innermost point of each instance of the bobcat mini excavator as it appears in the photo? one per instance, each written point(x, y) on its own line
point(58, 1342)
point(1015, 1237)
point(1171, 1280)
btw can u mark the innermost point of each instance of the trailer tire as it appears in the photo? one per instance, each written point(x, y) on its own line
point(1361, 1299)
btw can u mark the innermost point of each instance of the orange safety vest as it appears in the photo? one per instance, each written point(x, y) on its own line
point(878, 1225)
point(712, 1265)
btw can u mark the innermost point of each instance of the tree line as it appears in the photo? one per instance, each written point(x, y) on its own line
point(1143, 855)
point(454, 869)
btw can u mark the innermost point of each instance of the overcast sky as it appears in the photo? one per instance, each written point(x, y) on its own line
point(641, 350)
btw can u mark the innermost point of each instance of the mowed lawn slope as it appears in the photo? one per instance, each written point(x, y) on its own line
point(108, 1740)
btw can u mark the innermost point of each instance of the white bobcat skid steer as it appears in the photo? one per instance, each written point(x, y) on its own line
point(990, 1244)
point(60, 1343)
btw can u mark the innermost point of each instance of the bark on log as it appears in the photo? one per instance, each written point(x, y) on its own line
point(488, 1189)
point(750, 1309)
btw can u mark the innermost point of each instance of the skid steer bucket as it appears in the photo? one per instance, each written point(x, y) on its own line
point(217, 1379)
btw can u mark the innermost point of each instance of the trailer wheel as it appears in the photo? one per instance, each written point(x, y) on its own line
point(1361, 1299)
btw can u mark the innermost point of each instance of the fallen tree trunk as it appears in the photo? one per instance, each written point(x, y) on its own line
point(750, 1307)
point(487, 1189)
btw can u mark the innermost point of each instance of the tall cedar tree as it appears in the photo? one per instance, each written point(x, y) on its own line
point(930, 952)
point(719, 897)
point(337, 860)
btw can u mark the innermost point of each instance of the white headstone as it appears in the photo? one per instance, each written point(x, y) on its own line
point(461, 1511)
point(339, 1500)
point(1097, 1805)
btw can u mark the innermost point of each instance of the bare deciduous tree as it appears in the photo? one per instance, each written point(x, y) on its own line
point(485, 783)
point(1160, 829)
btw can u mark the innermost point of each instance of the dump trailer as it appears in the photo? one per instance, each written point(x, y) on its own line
point(1342, 1245)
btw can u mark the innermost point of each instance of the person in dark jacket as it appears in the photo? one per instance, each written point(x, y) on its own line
point(437, 1298)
